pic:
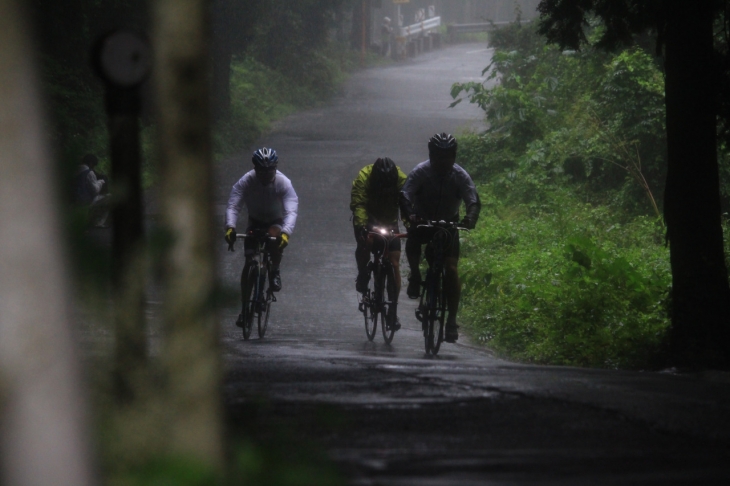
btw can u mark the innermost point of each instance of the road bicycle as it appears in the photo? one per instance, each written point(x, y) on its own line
point(380, 300)
point(256, 302)
point(432, 307)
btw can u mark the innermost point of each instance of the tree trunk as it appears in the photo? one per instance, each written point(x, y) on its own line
point(43, 420)
point(222, 55)
point(190, 351)
point(700, 293)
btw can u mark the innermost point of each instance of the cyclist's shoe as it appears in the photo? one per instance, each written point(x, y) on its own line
point(414, 287)
point(394, 326)
point(393, 321)
point(239, 322)
point(275, 280)
point(362, 281)
point(452, 332)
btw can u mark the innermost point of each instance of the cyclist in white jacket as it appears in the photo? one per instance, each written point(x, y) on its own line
point(272, 204)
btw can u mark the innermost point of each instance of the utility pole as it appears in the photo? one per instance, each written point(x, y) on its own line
point(123, 61)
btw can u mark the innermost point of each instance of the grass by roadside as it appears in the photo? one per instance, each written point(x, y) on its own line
point(556, 280)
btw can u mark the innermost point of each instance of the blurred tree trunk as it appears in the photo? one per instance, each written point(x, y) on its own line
point(700, 293)
point(222, 55)
point(43, 429)
point(190, 351)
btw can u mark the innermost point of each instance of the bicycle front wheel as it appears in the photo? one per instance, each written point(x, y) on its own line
point(249, 299)
point(264, 316)
point(388, 317)
point(370, 310)
point(435, 314)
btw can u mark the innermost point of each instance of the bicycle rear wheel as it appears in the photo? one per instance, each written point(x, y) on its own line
point(370, 307)
point(435, 313)
point(387, 320)
point(249, 299)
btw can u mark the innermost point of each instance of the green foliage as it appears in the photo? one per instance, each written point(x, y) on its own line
point(252, 464)
point(560, 281)
point(568, 264)
point(290, 37)
point(169, 472)
point(261, 94)
point(595, 117)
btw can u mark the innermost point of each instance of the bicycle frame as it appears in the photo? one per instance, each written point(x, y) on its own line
point(258, 303)
point(375, 303)
point(433, 305)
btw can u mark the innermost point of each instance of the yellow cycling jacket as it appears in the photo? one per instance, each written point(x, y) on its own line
point(373, 206)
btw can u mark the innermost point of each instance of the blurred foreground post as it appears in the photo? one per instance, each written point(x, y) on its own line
point(43, 429)
point(190, 353)
point(123, 61)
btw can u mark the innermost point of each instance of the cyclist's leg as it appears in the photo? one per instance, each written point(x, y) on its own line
point(452, 287)
point(249, 249)
point(362, 257)
point(395, 261)
point(275, 254)
point(413, 255)
point(394, 257)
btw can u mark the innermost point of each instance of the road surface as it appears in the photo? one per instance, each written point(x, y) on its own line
point(390, 415)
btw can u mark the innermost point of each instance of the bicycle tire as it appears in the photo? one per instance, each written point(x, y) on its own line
point(263, 320)
point(388, 277)
point(436, 314)
point(369, 308)
point(249, 303)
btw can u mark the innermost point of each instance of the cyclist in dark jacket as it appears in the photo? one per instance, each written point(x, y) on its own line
point(434, 190)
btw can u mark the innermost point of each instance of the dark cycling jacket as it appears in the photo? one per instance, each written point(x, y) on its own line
point(435, 197)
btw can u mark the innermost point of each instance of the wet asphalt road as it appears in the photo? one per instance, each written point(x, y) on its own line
point(390, 415)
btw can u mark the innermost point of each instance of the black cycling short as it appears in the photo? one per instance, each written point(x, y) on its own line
point(249, 244)
point(422, 236)
point(395, 244)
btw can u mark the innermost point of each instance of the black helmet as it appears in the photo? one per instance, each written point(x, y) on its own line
point(385, 173)
point(265, 158)
point(443, 143)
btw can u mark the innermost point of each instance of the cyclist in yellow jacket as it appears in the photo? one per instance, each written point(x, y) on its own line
point(374, 202)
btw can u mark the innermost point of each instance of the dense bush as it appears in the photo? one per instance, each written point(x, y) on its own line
point(568, 264)
point(560, 281)
point(596, 117)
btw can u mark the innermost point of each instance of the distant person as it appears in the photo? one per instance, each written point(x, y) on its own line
point(386, 30)
point(91, 190)
point(272, 205)
point(434, 191)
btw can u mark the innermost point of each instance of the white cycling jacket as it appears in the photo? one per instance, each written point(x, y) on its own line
point(274, 201)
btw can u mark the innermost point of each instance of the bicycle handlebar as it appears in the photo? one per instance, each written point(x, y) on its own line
point(384, 232)
point(243, 236)
point(442, 224)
